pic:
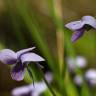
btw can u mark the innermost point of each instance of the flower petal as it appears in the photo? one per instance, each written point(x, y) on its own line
point(31, 57)
point(17, 72)
point(76, 25)
point(76, 35)
point(22, 91)
point(8, 56)
point(19, 53)
point(89, 20)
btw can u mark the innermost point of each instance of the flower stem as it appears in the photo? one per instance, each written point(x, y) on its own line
point(49, 87)
point(30, 73)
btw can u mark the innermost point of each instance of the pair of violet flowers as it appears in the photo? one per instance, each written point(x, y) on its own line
point(19, 60)
point(80, 26)
point(89, 76)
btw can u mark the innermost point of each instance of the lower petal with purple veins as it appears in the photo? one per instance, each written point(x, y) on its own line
point(77, 35)
point(17, 72)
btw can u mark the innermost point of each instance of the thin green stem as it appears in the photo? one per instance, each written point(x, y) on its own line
point(31, 74)
point(49, 87)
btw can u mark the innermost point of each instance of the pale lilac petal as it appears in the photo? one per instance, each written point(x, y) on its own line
point(91, 74)
point(78, 80)
point(17, 72)
point(78, 62)
point(22, 91)
point(40, 87)
point(31, 57)
point(89, 20)
point(76, 25)
point(19, 53)
point(8, 56)
point(76, 35)
point(82, 62)
point(92, 82)
point(49, 77)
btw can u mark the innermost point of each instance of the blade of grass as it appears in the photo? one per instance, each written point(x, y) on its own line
point(59, 33)
point(70, 87)
point(85, 91)
point(15, 24)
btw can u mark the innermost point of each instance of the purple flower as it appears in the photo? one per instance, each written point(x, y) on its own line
point(31, 90)
point(78, 80)
point(79, 27)
point(74, 63)
point(19, 60)
point(90, 76)
point(22, 91)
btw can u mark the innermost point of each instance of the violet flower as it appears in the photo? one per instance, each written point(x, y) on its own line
point(90, 76)
point(31, 90)
point(79, 27)
point(19, 60)
point(74, 63)
point(22, 91)
point(78, 80)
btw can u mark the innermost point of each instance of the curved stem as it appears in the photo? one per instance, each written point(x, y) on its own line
point(49, 87)
point(30, 73)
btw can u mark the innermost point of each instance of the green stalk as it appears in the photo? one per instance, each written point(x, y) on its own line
point(59, 34)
